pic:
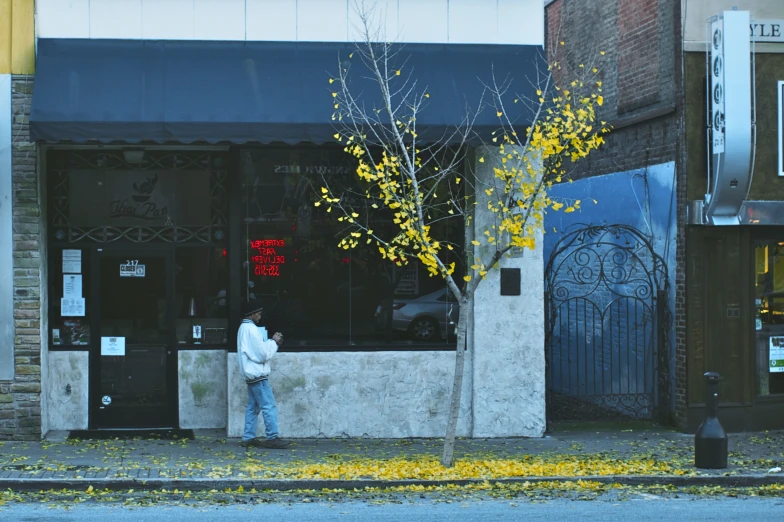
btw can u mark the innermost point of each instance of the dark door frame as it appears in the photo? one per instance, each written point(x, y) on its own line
point(166, 252)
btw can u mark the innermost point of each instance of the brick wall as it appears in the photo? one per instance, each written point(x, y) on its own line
point(638, 54)
point(640, 41)
point(642, 82)
point(20, 400)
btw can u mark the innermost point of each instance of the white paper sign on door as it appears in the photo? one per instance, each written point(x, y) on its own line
point(72, 261)
point(113, 346)
point(72, 307)
point(776, 354)
point(72, 285)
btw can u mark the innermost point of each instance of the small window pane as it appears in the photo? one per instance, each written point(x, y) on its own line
point(201, 295)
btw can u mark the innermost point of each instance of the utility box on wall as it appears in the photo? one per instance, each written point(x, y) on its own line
point(510, 281)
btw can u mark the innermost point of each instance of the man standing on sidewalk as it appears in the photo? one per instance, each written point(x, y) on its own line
point(254, 355)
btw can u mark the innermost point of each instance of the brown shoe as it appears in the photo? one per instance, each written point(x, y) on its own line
point(253, 443)
point(276, 443)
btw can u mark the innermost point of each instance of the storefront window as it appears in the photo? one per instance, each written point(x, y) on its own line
point(316, 293)
point(769, 316)
point(201, 295)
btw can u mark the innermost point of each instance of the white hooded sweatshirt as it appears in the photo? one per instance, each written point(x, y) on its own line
point(253, 352)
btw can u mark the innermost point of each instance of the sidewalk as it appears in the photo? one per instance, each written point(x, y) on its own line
point(631, 457)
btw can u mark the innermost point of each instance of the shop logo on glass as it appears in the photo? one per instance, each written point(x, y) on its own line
point(132, 268)
point(144, 190)
point(140, 207)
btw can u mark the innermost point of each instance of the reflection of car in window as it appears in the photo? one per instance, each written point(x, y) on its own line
point(426, 318)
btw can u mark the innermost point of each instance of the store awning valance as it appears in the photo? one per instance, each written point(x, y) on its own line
point(238, 92)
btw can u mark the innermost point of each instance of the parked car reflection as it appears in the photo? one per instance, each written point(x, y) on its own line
point(427, 318)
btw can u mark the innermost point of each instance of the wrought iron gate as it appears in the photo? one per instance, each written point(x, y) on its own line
point(606, 318)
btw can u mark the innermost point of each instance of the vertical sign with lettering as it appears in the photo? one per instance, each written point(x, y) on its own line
point(780, 96)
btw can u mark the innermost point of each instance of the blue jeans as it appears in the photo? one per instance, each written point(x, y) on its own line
point(260, 399)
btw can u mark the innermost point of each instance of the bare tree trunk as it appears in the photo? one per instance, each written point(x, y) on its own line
point(448, 456)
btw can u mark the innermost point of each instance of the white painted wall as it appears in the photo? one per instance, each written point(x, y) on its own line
point(6, 235)
point(67, 411)
point(440, 21)
point(508, 336)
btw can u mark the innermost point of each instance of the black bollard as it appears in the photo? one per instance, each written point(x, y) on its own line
point(710, 442)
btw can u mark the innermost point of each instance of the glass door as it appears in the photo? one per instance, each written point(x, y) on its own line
point(133, 365)
point(769, 316)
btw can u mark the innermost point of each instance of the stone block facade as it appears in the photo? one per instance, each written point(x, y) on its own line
point(20, 399)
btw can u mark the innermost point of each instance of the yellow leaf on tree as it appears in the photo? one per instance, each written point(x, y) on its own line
point(466, 278)
point(397, 73)
point(475, 242)
point(600, 100)
point(481, 160)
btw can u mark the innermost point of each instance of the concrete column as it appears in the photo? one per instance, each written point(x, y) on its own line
point(508, 335)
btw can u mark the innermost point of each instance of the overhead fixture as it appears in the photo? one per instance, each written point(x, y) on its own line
point(133, 155)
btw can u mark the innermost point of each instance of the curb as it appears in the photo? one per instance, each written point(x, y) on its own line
point(31, 484)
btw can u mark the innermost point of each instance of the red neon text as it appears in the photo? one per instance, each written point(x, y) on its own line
point(267, 270)
point(266, 262)
point(263, 243)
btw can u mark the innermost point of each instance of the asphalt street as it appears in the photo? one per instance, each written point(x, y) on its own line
point(640, 510)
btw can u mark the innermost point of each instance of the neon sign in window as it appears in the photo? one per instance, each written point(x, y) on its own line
point(266, 256)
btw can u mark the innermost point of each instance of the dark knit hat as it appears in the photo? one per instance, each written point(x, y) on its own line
point(251, 307)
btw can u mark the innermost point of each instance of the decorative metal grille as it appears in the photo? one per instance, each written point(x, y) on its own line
point(63, 162)
point(607, 327)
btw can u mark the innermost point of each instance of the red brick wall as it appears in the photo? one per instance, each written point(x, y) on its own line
point(640, 39)
point(638, 54)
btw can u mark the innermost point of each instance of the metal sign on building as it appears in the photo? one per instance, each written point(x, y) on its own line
point(771, 31)
point(780, 96)
point(729, 79)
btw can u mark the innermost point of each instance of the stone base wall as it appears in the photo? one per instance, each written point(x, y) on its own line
point(20, 399)
point(357, 394)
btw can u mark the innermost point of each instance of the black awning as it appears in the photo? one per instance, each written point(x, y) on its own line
point(209, 91)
